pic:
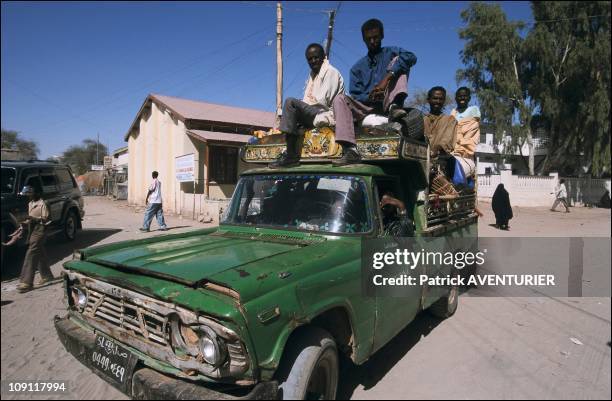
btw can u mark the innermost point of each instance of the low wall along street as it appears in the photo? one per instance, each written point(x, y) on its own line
point(203, 208)
point(532, 191)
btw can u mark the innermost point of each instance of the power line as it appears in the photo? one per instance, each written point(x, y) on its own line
point(114, 98)
point(300, 70)
point(348, 48)
point(46, 100)
point(117, 96)
point(443, 27)
point(193, 62)
point(217, 70)
point(285, 8)
point(342, 60)
point(223, 66)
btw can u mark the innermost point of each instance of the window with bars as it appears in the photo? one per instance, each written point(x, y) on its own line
point(223, 164)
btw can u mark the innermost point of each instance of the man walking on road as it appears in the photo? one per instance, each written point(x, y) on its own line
point(36, 255)
point(154, 206)
point(561, 196)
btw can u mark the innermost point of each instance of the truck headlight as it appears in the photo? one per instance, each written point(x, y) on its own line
point(201, 342)
point(79, 298)
point(211, 347)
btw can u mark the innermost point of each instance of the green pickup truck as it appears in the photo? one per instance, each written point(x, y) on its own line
point(261, 306)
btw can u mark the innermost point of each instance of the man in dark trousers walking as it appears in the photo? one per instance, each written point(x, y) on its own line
point(36, 255)
point(154, 206)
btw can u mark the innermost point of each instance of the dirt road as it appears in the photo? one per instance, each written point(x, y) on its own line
point(492, 348)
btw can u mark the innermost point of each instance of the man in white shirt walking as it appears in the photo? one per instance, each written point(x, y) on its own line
point(560, 196)
point(154, 206)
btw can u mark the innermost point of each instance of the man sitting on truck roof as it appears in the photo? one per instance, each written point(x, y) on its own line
point(315, 109)
point(440, 129)
point(380, 79)
point(468, 124)
point(379, 84)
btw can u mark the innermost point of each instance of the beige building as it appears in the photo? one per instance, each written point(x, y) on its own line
point(166, 128)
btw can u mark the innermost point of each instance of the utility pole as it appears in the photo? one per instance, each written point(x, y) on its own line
point(330, 30)
point(279, 63)
point(97, 145)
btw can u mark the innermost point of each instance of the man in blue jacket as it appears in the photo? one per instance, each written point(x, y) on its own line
point(378, 84)
point(380, 79)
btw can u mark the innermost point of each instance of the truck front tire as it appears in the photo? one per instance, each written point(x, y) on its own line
point(309, 368)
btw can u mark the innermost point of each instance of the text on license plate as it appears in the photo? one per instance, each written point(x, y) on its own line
point(111, 358)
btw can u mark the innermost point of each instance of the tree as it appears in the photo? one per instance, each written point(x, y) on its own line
point(418, 100)
point(27, 149)
point(569, 49)
point(80, 158)
point(494, 59)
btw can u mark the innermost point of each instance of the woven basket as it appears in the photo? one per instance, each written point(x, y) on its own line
point(441, 186)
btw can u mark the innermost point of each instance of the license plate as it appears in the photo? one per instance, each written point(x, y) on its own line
point(113, 361)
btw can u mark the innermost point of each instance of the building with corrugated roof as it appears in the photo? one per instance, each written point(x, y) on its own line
point(167, 128)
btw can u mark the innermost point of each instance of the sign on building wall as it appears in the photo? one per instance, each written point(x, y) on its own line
point(185, 168)
point(97, 167)
point(108, 162)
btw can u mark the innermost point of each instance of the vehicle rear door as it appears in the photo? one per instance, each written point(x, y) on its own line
point(67, 187)
point(51, 194)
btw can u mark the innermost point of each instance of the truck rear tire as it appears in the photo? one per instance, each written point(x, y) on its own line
point(309, 367)
point(446, 306)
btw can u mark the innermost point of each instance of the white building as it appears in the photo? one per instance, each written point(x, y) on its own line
point(494, 156)
point(120, 159)
point(166, 128)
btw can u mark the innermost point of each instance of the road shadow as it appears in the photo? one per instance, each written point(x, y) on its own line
point(57, 249)
point(7, 302)
point(371, 372)
point(174, 228)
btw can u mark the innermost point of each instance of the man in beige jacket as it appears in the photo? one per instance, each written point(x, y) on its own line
point(36, 256)
point(315, 109)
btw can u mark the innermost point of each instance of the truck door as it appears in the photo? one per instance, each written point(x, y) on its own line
point(393, 314)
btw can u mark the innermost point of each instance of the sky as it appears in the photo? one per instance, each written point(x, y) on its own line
point(73, 70)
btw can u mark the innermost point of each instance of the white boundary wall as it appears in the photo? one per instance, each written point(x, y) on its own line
point(203, 208)
point(538, 190)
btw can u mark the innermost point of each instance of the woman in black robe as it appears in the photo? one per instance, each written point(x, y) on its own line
point(501, 207)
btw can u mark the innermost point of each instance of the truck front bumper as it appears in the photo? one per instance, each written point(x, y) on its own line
point(146, 383)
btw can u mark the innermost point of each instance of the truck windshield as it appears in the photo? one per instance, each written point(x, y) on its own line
point(322, 203)
point(8, 180)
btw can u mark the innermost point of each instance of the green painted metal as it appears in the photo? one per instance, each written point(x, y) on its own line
point(296, 274)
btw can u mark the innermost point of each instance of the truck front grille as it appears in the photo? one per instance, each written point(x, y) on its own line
point(146, 324)
point(125, 314)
